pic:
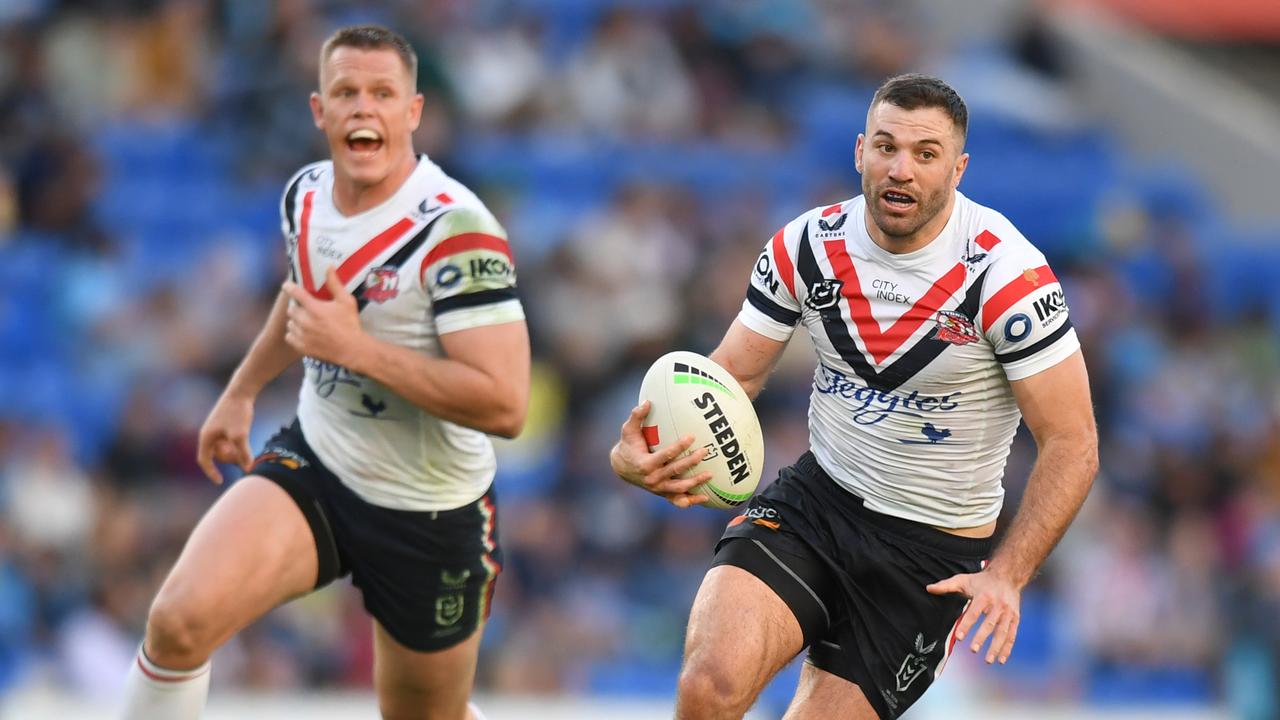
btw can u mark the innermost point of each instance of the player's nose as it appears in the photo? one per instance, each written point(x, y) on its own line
point(363, 104)
point(901, 168)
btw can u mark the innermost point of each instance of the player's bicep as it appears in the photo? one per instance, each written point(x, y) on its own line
point(1056, 403)
point(1028, 323)
point(501, 352)
point(748, 356)
point(771, 308)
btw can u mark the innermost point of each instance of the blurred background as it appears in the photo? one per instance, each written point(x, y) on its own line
point(640, 152)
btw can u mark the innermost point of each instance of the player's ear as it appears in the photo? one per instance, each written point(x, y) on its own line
point(415, 111)
point(857, 152)
point(961, 163)
point(317, 110)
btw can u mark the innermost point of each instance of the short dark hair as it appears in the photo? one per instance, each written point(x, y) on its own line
point(914, 90)
point(372, 37)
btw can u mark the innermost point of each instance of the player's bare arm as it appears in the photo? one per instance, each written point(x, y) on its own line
point(1056, 407)
point(481, 383)
point(224, 437)
point(749, 357)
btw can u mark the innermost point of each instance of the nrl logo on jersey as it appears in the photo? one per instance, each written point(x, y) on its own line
point(824, 294)
point(382, 284)
point(955, 328)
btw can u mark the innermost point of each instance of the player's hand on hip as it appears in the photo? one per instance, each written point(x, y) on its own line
point(993, 595)
point(658, 471)
point(327, 330)
point(224, 437)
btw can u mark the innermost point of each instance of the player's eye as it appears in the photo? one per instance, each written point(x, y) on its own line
point(927, 155)
point(886, 148)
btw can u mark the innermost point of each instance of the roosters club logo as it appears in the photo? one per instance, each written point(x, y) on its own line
point(382, 284)
point(955, 328)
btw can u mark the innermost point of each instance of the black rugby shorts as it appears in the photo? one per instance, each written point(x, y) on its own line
point(427, 577)
point(855, 580)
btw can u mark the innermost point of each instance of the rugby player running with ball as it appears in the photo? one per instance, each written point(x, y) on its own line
point(937, 326)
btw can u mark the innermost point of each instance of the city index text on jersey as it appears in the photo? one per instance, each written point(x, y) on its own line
point(875, 405)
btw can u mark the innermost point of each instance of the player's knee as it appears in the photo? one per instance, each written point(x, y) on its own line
point(177, 635)
point(711, 689)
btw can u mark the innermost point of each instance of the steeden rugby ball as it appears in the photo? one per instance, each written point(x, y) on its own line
point(692, 395)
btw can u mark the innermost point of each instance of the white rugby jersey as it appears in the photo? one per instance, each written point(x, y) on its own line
point(911, 407)
point(429, 260)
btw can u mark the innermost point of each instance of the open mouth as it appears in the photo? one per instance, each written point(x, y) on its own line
point(898, 200)
point(364, 141)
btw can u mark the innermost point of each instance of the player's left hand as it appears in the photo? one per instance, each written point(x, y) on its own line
point(327, 330)
point(994, 595)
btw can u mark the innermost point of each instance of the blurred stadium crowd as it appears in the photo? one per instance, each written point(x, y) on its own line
point(640, 153)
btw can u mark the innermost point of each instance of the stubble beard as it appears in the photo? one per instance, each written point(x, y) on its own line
point(926, 209)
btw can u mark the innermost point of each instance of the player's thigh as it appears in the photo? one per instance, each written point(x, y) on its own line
point(250, 552)
point(740, 631)
point(821, 695)
point(416, 685)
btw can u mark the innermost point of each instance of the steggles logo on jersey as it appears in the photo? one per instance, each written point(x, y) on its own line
point(382, 284)
point(876, 405)
point(329, 376)
point(955, 328)
point(1032, 277)
point(824, 294)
